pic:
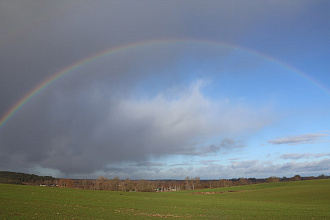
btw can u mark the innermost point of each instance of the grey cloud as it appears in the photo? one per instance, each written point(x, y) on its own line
point(83, 130)
point(243, 164)
point(208, 162)
point(226, 143)
point(314, 166)
point(302, 156)
point(149, 164)
point(300, 139)
point(237, 158)
point(183, 164)
point(256, 168)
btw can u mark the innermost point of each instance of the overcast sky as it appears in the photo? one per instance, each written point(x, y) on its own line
point(165, 89)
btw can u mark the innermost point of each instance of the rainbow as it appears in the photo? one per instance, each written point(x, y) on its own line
point(20, 103)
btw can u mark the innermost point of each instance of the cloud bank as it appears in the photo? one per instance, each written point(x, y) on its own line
point(237, 169)
point(86, 131)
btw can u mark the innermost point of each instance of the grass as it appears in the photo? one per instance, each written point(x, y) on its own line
point(288, 200)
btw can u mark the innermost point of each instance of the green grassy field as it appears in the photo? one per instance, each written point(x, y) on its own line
point(288, 200)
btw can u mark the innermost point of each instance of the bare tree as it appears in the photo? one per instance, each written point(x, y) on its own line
point(272, 179)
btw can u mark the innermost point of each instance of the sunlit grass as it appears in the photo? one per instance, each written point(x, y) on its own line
point(298, 200)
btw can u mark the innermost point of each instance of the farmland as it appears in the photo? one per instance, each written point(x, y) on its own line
point(281, 200)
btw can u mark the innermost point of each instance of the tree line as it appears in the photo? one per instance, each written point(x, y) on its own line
point(25, 179)
point(128, 185)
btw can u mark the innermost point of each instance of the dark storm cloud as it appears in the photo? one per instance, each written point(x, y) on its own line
point(81, 124)
point(86, 126)
point(40, 38)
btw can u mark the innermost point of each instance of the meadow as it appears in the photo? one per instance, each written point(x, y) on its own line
point(282, 200)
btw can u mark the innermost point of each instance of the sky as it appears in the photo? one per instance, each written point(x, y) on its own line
point(165, 89)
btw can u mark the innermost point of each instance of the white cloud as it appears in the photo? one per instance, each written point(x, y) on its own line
point(191, 115)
